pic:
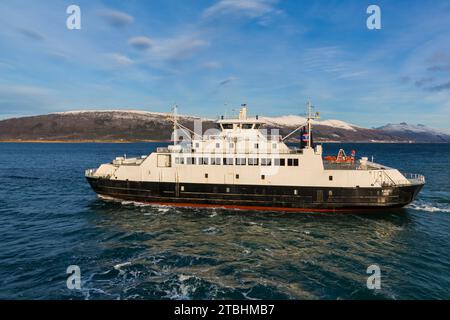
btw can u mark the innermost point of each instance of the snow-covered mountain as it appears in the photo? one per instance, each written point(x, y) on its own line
point(138, 125)
point(295, 121)
point(418, 132)
point(413, 128)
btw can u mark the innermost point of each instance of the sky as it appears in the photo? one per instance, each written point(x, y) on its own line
point(210, 56)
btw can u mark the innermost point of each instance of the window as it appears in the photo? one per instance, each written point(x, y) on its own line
point(197, 144)
point(237, 176)
point(293, 162)
point(266, 162)
point(206, 175)
point(227, 126)
point(231, 145)
point(247, 126)
point(263, 177)
point(228, 190)
point(217, 145)
point(240, 161)
point(256, 145)
point(295, 192)
point(274, 145)
point(203, 160)
point(228, 161)
point(190, 160)
point(279, 162)
point(215, 161)
point(253, 161)
point(182, 188)
point(330, 178)
point(330, 193)
point(179, 160)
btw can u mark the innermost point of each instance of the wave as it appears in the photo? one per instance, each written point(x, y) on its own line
point(428, 207)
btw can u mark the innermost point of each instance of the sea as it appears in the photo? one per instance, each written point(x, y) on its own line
point(54, 231)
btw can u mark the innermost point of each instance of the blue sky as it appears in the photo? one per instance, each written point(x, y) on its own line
point(209, 56)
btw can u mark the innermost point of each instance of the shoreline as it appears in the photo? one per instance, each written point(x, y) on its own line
point(82, 141)
point(169, 141)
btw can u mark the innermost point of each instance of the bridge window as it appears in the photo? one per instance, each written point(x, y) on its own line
point(190, 160)
point(253, 161)
point(179, 160)
point(227, 126)
point(280, 162)
point(292, 162)
point(240, 161)
point(203, 160)
point(215, 161)
point(266, 162)
point(228, 161)
point(247, 126)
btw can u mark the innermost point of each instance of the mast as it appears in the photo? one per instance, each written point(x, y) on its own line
point(175, 125)
point(311, 115)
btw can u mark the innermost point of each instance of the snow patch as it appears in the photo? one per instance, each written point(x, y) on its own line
point(295, 121)
point(419, 128)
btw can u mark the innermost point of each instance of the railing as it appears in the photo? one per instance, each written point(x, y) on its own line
point(415, 178)
point(162, 150)
point(89, 172)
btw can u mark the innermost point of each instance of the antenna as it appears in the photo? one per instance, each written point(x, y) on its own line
point(175, 124)
point(311, 115)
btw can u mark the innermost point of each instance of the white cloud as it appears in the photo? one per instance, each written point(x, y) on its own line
point(121, 59)
point(248, 8)
point(116, 18)
point(141, 43)
point(228, 80)
point(169, 49)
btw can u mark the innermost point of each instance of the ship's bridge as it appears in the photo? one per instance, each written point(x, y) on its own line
point(240, 135)
point(241, 123)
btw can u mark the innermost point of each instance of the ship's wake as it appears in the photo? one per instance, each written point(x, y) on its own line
point(429, 206)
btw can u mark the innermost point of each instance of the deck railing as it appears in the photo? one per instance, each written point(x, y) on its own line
point(415, 178)
point(89, 172)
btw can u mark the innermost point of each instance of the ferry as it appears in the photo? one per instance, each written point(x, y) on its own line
point(240, 165)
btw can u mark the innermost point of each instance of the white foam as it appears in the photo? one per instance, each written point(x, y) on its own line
point(427, 207)
point(120, 265)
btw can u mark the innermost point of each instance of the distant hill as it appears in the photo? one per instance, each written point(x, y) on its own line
point(418, 133)
point(130, 125)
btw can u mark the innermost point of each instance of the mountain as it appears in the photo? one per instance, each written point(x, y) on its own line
point(418, 133)
point(135, 125)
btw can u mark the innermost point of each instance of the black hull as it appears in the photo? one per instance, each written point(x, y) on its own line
point(286, 198)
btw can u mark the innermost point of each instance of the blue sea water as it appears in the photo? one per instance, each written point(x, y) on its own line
point(50, 219)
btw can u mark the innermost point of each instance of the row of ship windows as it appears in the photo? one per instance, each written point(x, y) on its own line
point(231, 145)
point(238, 161)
